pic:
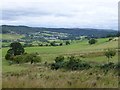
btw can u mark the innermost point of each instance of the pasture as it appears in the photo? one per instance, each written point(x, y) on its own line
point(11, 36)
point(24, 75)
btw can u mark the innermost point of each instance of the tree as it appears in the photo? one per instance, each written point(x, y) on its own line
point(17, 48)
point(92, 41)
point(110, 53)
point(52, 43)
point(67, 43)
point(9, 55)
point(61, 44)
point(110, 39)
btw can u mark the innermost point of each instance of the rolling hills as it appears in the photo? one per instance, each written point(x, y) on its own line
point(73, 31)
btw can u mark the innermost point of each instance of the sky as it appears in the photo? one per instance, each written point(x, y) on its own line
point(100, 14)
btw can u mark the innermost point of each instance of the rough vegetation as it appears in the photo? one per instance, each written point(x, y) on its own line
point(78, 65)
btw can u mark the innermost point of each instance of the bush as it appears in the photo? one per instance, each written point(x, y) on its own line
point(110, 53)
point(67, 42)
point(108, 66)
point(53, 43)
point(19, 59)
point(59, 63)
point(40, 44)
point(33, 58)
point(92, 41)
point(8, 56)
point(59, 59)
point(110, 39)
point(71, 64)
point(76, 64)
point(61, 44)
point(117, 66)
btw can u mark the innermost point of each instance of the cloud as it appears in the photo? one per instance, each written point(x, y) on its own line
point(61, 13)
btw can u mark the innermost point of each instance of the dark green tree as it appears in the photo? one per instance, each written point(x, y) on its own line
point(9, 55)
point(52, 43)
point(92, 41)
point(17, 48)
point(67, 42)
point(61, 44)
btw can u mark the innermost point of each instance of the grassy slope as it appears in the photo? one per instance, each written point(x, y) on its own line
point(46, 78)
point(80, 47)
point(11, 36)
point(49, 53)
point(42, 77)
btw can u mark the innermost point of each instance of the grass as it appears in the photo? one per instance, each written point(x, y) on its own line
point(39, 76)
point(80, 48)
point(12, 68)
point(11, 36)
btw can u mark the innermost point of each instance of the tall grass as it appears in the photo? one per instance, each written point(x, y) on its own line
point(41, 77)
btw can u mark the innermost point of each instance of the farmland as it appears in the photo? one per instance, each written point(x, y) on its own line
point(11, 36)
point(43, 76)
point(59, 44)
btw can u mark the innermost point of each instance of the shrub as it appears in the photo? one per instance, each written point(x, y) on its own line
point(61, 44)
point(40, 44)
point(92, 41)
point(8, 56)
point(33, 58)
point(67, 42)
point(59, 63)
point(117, 66)
point(76, 64)
point(46, 45)
point(59, 59)
point(110, 53)
point(110, 39)
point(72, 64)
point(108, 66)
point(19, 59)
point(53, 43)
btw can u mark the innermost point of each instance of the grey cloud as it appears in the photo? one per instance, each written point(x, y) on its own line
point(14, 14)
point(62, 13)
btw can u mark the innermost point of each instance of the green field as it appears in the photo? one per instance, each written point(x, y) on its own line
point(80, 48)
point(91, 53)
point(11, 36)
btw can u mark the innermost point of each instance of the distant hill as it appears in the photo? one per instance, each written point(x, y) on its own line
point(73, 31)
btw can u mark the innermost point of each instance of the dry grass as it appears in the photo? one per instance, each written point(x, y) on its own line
point(43, 77)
